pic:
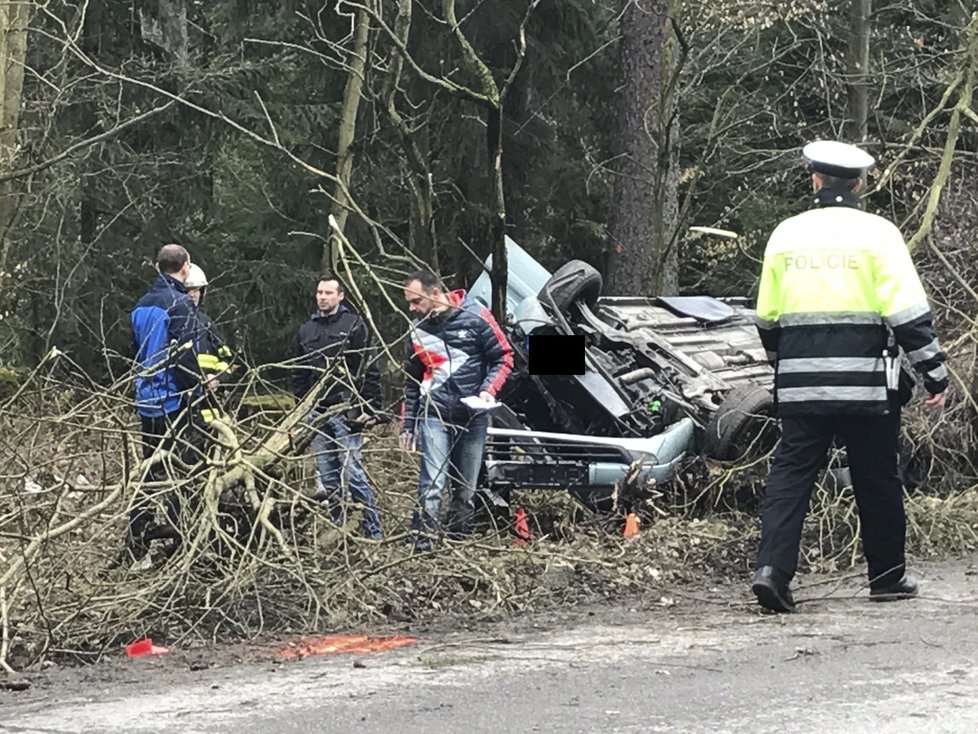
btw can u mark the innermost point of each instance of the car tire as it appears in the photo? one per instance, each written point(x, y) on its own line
point(742, 426)
point(573, 281)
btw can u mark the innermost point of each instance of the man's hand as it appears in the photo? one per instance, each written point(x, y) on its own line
point(487, 397)
point(407, 441)
point(367, 421)
point(936, 401)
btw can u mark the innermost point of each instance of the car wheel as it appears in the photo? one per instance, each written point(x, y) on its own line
point(573, 281)
point(742, 426)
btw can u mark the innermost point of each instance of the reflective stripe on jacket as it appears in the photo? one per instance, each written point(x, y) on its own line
point(835, 280)
point(213, 354)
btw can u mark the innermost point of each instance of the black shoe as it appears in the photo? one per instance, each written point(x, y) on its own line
point(459, 522)
point(158, 532)
point(132, 552)
point(423, 544)
point(323, 495)
point(771, 589)
point(905, 588)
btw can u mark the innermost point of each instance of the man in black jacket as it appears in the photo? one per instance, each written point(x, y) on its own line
point(457, 358)
point(336, 341)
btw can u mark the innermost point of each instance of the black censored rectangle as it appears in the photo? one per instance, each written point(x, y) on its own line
point(555, 354)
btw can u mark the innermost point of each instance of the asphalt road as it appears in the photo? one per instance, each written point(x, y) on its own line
point(693, 663)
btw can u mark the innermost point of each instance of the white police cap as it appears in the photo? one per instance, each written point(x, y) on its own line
point(837, 159)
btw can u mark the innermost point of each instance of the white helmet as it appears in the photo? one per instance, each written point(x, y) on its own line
point(195, 278)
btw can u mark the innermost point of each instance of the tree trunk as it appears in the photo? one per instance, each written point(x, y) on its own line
point(857, 87)
point(642, 255)
point(164, 24)
point(88, 124)
point(14, 19)
point(356, 63)
point(666, 223)
point(497, 214)
point(423, 235)
point(519, 142)
point(497, 202)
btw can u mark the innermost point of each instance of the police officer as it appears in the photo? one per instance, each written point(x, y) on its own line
point(839, 297)
point(214, 356)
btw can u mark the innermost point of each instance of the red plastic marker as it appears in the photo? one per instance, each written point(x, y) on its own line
point(523, 535)
point(145, 646)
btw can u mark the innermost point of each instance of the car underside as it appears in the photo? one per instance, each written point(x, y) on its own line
point(665, 379)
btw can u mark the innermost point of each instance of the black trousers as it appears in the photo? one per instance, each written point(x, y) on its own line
point(176, 432)
point(871, 445)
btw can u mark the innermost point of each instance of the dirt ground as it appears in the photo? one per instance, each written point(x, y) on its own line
point(700, 658)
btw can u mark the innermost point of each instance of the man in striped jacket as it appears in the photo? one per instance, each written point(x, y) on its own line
point(456, 351)
point(839, 297)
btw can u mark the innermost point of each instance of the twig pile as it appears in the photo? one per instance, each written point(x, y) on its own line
point(259, 555)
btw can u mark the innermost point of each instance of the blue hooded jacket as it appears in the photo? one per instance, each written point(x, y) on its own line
point(163, 321)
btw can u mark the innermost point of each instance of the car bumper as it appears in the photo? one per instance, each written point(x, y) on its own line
point(660, 457)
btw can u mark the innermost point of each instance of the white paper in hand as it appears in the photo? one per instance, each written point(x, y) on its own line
point(477, 403)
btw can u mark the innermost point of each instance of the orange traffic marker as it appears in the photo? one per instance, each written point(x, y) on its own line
point(523, 535)
point(631, 525)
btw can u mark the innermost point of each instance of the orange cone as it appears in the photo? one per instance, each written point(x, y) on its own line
point(522, 528)
point(631, 525)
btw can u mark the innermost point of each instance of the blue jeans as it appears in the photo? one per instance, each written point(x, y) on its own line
point(450, 454)
point(340, 468)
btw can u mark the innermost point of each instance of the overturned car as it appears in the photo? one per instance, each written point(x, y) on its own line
point(664, 379)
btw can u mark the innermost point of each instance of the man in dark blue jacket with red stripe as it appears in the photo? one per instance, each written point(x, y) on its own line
point(164, 334)
point(456, 351)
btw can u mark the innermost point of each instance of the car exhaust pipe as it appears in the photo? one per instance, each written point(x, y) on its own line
point(641, 373)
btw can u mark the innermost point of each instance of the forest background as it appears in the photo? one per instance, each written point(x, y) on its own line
point(592, 129)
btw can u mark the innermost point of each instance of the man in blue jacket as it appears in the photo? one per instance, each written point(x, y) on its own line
point(456, 351)
point(164, 334)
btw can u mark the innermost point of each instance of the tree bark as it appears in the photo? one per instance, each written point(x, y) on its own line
point(91, 45)
point(642, 255)
point(857, 87)
point(667, 223)
point(495, 102)
point(14, 19)
point(497, 202)
point(356, 64)
point(423, 235)
point(497, 213)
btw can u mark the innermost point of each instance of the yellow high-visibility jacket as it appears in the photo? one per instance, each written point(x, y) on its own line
point(214, 357)
point(835, 282)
